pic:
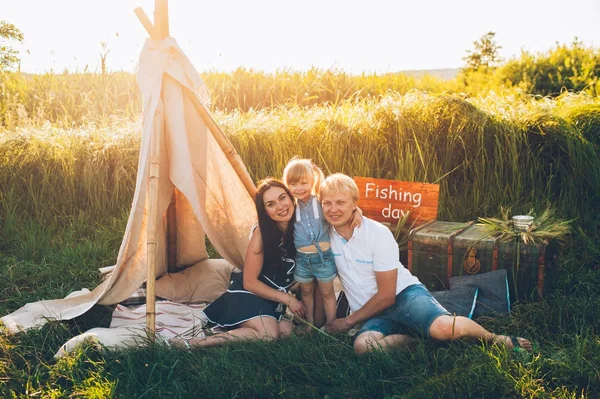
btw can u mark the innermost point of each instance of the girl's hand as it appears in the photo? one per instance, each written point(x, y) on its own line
point(356, 219)
point(297, 307)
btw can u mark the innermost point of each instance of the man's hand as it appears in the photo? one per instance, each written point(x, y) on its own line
point(338, 326)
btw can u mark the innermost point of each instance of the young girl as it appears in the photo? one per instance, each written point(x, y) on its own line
point(314, 259)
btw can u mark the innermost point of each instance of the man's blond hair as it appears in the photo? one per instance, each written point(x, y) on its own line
point(339, 183)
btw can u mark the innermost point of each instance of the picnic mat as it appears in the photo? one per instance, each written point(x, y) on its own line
point(128, 326)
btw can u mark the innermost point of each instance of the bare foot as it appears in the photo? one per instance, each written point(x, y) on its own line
point(180, 343)
point(186, 343)
point(514, 343)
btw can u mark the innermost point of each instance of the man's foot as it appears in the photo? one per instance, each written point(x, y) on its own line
point(514, 343)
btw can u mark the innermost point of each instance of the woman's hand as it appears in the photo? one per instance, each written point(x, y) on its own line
point(296, 307)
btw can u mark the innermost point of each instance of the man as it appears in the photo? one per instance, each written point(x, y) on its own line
point(382, 294)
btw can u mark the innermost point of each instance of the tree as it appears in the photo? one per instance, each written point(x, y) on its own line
point(565, 67)
point(484, 54)
point(8, 55)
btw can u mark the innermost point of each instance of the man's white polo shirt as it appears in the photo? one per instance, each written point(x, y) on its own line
point(372, 248)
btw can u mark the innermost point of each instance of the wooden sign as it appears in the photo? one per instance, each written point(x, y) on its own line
point(388, 201)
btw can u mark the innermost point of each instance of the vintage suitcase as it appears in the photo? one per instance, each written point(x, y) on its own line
point(440, 250)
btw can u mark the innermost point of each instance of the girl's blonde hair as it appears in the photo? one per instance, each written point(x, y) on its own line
point(299, 169)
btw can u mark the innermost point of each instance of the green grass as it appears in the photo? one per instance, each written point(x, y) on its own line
point(65, 196)
point(565, 364)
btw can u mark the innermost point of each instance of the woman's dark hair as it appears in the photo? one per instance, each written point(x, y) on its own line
point(272, 235)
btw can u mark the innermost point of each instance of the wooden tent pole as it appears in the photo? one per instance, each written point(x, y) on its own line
point(152, 242)
point(230, 152)
point(161, 18)
point(161, 22)
point(139, 12)
point(171, 212)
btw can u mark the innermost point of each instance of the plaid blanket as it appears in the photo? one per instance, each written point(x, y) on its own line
point(137, 298)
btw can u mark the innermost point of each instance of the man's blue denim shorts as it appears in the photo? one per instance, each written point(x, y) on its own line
point(413, 313)
point(310, 266)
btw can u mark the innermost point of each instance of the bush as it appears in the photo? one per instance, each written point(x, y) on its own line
point(571, 67)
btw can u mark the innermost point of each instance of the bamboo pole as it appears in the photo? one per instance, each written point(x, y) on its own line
point(161, 18)
point(151, 231)
point(230, 152)
point(171, 211)
point(161, 22)
point(146, 23)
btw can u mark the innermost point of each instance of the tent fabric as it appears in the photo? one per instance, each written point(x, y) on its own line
point(210, 197)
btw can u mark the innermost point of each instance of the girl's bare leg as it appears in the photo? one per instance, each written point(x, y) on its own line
point(308, 299)
point(319, 309)
point(328, 294)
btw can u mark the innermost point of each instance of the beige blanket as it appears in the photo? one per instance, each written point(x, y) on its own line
point(128, 326)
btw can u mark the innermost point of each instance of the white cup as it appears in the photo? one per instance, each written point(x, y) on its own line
point(522, 222)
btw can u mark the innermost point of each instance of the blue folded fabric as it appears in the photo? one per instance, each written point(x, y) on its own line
point(459, 301)
point(493, 295)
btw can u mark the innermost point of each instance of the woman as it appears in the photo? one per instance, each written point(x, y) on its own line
point(253, 306)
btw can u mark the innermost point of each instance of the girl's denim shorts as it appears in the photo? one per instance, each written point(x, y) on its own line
point(311, 266)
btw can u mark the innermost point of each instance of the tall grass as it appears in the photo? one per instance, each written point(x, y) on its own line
point(78, 98)
point(484, 152)
point(65, 195)
point(68, 99)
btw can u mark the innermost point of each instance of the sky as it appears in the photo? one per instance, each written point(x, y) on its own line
point(374, 36)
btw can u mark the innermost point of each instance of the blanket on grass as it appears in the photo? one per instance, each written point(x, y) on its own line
point(128, 326)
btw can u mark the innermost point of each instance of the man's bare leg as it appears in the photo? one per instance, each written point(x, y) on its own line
point(374, 340)
point(447, 328)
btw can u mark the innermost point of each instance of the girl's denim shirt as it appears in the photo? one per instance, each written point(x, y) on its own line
point(311, 227)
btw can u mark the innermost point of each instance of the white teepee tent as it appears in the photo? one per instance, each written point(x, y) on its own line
point(190, 182)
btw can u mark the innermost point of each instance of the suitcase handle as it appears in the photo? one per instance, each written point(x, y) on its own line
point(450, 248)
